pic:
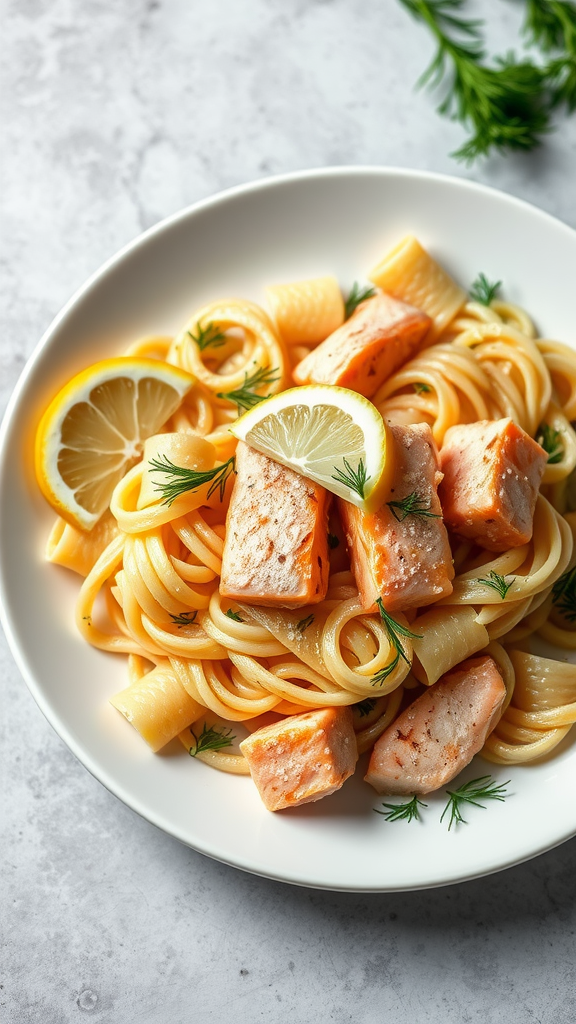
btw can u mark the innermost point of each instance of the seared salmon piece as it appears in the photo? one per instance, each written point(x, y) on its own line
point(492, 471)
point(381, 334)
point(438, 735)
point(302, 758)
point(276, 547)
point(402, 556)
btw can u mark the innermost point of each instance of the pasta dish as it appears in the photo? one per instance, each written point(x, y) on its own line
point(333, 527)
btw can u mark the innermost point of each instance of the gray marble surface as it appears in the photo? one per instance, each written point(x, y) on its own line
point(115, 114)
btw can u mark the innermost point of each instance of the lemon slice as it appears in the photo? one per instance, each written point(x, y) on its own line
point(331, 435)
point(93, 431)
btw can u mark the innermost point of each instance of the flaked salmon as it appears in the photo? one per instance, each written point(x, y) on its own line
point(401, 553)
point(302, 758)
point(276, 547)
point(380, 335)
point(438, 735)
point(492, 471)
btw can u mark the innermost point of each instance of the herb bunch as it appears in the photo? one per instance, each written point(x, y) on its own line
point(506, 105)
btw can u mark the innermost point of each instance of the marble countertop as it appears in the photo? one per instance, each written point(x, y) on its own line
point(116, 115)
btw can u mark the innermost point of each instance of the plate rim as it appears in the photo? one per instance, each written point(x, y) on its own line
point(107, 267)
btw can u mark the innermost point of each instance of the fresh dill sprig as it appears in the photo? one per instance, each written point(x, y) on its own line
point(207, 337)
point(505, 106)
point(394, 630)
point(484, 788)
point(364, 707)
point(483, 291)
point(550, 440)
point(246, 397)
point(210, 739)
point(420, 388)
point(355, 479)
point(357, 295)
point(564, 595)
point(234, 615)
point(179, 479)
point(333, 541)
point(497, 582)
point(409, 811)
point(302, 626)
point(551, 25)
point(183, 619)
point(411, 505)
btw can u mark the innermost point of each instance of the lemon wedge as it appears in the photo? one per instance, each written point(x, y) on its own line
point(93, 431)
point(330, 435)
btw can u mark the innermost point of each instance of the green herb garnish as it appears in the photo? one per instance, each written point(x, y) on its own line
point(181, 479)
point(564, 595)
point(364, 707)
point(551, 24)
point(234, 615)
point(498, 583)
point(357, 295)
point(394, 630)
point(333, 541)
point(505, 106)
point(483, 291)
point(402, 812)
point(210, 739)
point(183, 619)
point(207, 337)
point(246, 397)
point(472, 792)
point(302, 626)
point(355, 479)
point(420, 388)
point(411, 505)
point(550, 440)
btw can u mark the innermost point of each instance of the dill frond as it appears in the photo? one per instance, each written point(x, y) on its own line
point(483, 291)
point(497, 582)
point(246, 397)
point(210, 739)
point(183, 619)
point(394, 630)
point(357, 295)
point(411, 505)
point(550, 440)
point(207, 337)
point(355, 479)
point(484, 788)
point(179, 479)
point(564, 595)
point(409, 811)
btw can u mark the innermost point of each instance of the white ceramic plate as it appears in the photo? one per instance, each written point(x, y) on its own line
point(338, 221)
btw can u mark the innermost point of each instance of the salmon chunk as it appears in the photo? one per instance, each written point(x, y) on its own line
point(492, 471)
point(302, 758)
point(438, 735)
point(402, 556)
point(276, 547)
point(380, 335)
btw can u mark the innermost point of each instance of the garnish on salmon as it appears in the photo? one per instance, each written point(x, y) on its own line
point(401, 553)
